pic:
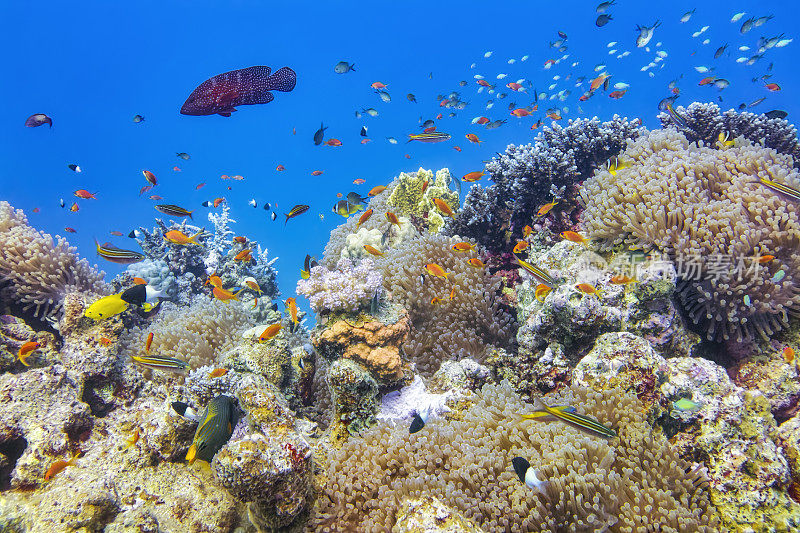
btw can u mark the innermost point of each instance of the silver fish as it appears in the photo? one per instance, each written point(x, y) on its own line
point(646, 34)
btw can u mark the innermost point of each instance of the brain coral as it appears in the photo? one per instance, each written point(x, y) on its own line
point(198, 334)
point(707, 211)
point(455, 328)
point(36, 272)
point(625, 484)
point(526, 177)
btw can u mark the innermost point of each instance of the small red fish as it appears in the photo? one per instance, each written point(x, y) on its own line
point(74, 207)
point(520, 112)
point(359, 181)
point(378, 85)
point(35, 209)
point(116, 233)
point(365, 141)
point(617, 94)
point(150, 177)
point(316, 173)
point(483, 83)
point(218, 201)
point(339, 195)
point(585, 96)
point(70, 230)
point(248, 86)
point(176, 169)
point(429, 130)
point(84, 194)
point(280, 168)
point(149, 342)
point(155, 197)
point(473, 138)
point(408, 156)
point(549, 62)
point(707, 81)
point(200, 186)
point(457, 148)
point(439, 116)
point(333, 142)
point(482, 120)
point(513, 86)
point(773, 87)
point(145, 189)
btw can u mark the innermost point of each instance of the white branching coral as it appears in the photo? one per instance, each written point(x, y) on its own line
point(219, 243)
point(348, 288)
point(708, 211)
point(37, 271)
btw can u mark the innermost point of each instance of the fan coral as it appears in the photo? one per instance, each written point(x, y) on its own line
point(590, 484)
point(526, 177)
point(707, 211)
point(705, 123)
point(198, 334)
point(414, 199)
point(347, 288)
point(467, 319)
point(36, 272)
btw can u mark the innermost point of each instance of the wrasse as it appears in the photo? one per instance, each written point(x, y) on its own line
point(538, 274)
point(161, 362)
point(568, 415)
point(432, 137)
point(173, 210)
point(117, 255)
point(786, 190)
point(677, 118)
point(295, 211)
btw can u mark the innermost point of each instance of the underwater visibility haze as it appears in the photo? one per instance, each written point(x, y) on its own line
point(519, 266)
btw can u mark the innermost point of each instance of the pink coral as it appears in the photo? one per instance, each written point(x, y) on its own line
point(347, 288)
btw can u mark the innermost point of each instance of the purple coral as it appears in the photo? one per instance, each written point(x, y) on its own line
point(526, 177)
point(347, 288)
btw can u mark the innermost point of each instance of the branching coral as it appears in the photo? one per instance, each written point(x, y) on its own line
point(706, 209)
point(347, 288)
point(705, 123)
point(35, 271)
point(624, 484)
point(468, 316)
point(526, 177)
point(198, 334)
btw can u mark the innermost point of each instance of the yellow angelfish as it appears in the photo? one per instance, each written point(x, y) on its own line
point(106, 307)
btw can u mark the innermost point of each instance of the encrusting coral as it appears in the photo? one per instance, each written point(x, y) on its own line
point(36, 272)
point(624, 484)
point(706, 210)
point(413, 197)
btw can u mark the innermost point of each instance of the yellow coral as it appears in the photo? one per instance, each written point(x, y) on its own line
point(408, 198)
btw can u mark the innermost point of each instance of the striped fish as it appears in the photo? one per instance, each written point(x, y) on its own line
point(174, 211)
point(432, 137)
point(678, 119)
point(214, 430)
point(570, 416)
point(540, 275)
point(786, 190)
point(295, 211)
point(118, 255)
point(161, 362)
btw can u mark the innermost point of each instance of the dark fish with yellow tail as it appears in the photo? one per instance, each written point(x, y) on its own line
point(214, 430)
point(118, 255)
point(569, 415)
point(161, 362)
point(174, 210)
point(297, 210)
point(432, 137)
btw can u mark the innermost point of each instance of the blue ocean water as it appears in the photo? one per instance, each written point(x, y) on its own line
point(93, 65)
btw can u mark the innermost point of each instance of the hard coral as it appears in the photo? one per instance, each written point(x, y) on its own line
point(36, 272)
point(408, 197)
point(347, 288)
point(527, 177)
point(706, 210)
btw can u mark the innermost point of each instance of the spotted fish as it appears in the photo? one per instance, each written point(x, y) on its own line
point(222, 93)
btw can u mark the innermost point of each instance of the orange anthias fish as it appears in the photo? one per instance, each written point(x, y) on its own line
point(240, 239)
point(471, 137)
point(364, 217)
point(218, 201)
point(25, 350)
point(149, 342)
point(484, 83)
point(473, 176)
point(359, 181)
point(482, 120)
point(546, 208)
point(457, 148)
point(116, 233)
point(555, 115)
point(587, 288)
point(521, 246)
point(150, 177)
point(176, 168)
point(425, 186)
point(764, 259)
point(58, 466)
point(622, 279)
point(374, 251)
point(291, 306)
point(476, 262)
point(514, 86)
point(200, 186)
point(70, 230)
point(270, 332)
point(788, 354)
point(597, 82)
point(378, 85)
point(214, 281)
point(463, 247)
point(442, 206)
point(156, 197)
point(86, 195)
point(707, 81)
point(542, 291)
point(435, 270)
point(773, 87)
point(333, 142)
point(376, 190)
point(520, 112)
point(105, 341)
point(573, 237)
point(391, 217)
point(244, 255)
point(217, 373)
point(526, 231)
point(317, 173)
point(133, 440)
point(429, 130)
point(225, 295)
point(178, 237)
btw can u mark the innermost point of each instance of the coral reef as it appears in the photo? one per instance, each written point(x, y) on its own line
point(465, 463)
point(705, 122)
point(703, 208)
point(348, 288)
point(527, 177)
point(36, 272)
point(413, 196)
